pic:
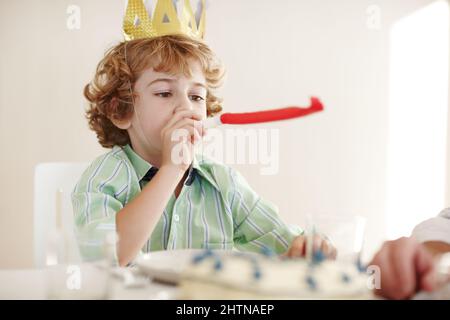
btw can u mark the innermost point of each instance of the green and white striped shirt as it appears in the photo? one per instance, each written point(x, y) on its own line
point(215, 209)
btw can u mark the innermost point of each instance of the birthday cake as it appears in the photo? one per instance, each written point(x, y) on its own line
point(236, 275)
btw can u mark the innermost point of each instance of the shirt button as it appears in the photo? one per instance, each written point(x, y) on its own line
point(176, 218)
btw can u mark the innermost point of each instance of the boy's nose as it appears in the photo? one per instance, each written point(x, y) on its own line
point(183, 104)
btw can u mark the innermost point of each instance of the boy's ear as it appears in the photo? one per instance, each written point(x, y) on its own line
point(123, 124)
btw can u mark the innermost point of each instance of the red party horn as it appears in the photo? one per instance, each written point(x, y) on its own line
point(264, 116)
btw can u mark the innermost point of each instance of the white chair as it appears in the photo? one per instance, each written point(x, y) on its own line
point(53, 184)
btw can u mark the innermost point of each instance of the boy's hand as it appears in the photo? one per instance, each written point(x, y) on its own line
point(178, 138)
point(406, 267)
point(299, 245)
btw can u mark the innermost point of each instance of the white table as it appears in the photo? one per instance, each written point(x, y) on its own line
point(32, 284)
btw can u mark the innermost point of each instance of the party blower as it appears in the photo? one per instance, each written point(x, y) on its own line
point(264, 116)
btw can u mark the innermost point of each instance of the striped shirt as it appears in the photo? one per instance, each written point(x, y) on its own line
point(215, 209)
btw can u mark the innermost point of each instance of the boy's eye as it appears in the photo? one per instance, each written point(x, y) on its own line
point(163, 94)
point(196, 98)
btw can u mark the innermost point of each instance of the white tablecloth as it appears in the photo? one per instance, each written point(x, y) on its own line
point(32, 284)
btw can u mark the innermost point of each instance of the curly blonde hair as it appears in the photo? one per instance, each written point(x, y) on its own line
point(122, 65)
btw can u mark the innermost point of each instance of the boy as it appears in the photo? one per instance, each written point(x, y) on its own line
point(145, 92)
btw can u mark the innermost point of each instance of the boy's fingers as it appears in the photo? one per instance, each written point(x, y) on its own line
point(186, 133)
point(317, 243)
point(297, 247)
point(188, 122)
point(197, 137)
point(182, 134)
point(324, 247)
point(299, 244)
point(328, 249)
point(333, 250)
point(185, 123)
point(195, 115)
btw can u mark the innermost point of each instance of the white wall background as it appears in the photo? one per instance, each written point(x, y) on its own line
point(418, 117)
point(276, 52)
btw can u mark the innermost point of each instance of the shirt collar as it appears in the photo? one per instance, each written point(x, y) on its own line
point(141, 166)
point(204, 169)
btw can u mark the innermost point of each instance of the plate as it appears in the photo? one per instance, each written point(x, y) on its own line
point(166, 266)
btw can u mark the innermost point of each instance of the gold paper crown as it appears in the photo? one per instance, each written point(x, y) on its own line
point(139, 22)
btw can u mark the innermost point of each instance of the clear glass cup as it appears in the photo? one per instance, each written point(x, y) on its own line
point(71, 278)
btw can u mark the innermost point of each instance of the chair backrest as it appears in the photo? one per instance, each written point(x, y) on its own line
point(53, 185)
